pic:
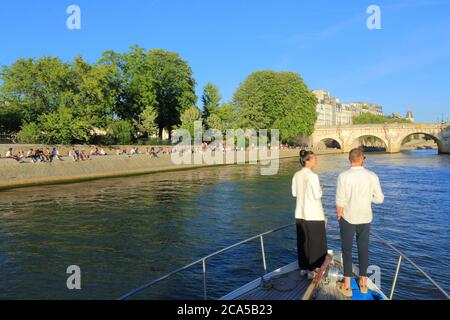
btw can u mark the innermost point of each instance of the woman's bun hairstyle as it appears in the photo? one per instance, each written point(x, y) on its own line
point(305, 156)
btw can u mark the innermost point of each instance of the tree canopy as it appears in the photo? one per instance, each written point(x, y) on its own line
point(276, 100)
point(188, 118)
point(211, 99)
point(369, 118)
point(136, 95)
point(156, 86)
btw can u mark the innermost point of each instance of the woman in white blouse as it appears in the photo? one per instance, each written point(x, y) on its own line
point(311, 234)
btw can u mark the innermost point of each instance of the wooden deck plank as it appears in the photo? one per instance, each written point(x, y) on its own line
point(281, 289)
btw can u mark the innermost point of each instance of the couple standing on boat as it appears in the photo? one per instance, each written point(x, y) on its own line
point(357, 189)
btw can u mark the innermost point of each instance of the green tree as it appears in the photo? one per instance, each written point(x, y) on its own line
point(223, 118)
point(147, 122)
point(156, 78)
point(96, 92)
point(134, 81)
point(227, 114)
point(369, 118)
point(30, 133)
point(62, 127)
point(211, 99)
point(174, 86)
point(215, 122)
point(10, 118)
point(120, 132)
point(188, 117)
point(276, 100)
point(36, 86)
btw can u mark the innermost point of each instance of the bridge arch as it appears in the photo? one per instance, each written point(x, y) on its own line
point(329, 141)
point(355, 141)
point(433, 136)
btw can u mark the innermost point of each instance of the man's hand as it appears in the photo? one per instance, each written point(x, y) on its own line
point(340, 212)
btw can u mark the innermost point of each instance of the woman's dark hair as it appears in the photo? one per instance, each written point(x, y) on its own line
point(305, 156)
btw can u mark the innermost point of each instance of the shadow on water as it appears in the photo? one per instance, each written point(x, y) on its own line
point(126, 231)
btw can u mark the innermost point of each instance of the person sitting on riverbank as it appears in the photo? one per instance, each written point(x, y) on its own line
point(153, 153)
point(134, 151)
point(74, 154)
point(38, 157)
point(94, 151)
point(47, 155)
point(122, 152)
point(55, 155)
point(83, 155)
point(9, 154)
point(30, 155)
point(18, 157)
point(165, 151)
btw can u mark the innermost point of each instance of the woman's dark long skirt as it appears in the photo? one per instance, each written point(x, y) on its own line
point(312, 245)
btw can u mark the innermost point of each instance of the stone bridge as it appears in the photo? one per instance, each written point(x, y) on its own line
point(392, 135)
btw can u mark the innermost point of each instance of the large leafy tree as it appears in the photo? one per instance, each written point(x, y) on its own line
point(37, 86)
point(211, 99)
point(47, 90)
point(134, 79)
point(95, 94)
point(174, 86)
point(276, 100)
point(155, 78)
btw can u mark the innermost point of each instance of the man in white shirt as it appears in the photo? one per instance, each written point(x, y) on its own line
point(357, 189)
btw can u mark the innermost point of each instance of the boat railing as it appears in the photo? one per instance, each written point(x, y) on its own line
point(401, 257)
point(204, 260)
point(260, 236)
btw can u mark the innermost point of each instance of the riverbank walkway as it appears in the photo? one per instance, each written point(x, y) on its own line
point(15, 174)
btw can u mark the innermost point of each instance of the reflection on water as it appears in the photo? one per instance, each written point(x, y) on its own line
point(123, 232)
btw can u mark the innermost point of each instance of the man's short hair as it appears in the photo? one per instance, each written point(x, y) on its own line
point(356, 155)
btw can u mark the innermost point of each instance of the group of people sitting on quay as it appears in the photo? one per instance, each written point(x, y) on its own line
point(148, 151)
point(38, 155)
point(76, 154)
point(48, 154)
point(81, 155)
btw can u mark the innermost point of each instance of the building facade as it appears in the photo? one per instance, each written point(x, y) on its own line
point(330, 112)
point(359, 108)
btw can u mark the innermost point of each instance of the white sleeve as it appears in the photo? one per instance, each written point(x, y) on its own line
point(341, 199)
point(294, 187)
point(378, 196)
point(314, 184)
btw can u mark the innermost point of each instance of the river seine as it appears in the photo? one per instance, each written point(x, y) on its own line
point(124, 232)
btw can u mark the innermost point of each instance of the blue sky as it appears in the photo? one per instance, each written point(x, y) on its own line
point(404, 66)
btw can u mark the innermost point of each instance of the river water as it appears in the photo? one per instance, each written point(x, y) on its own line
point(124, 232)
